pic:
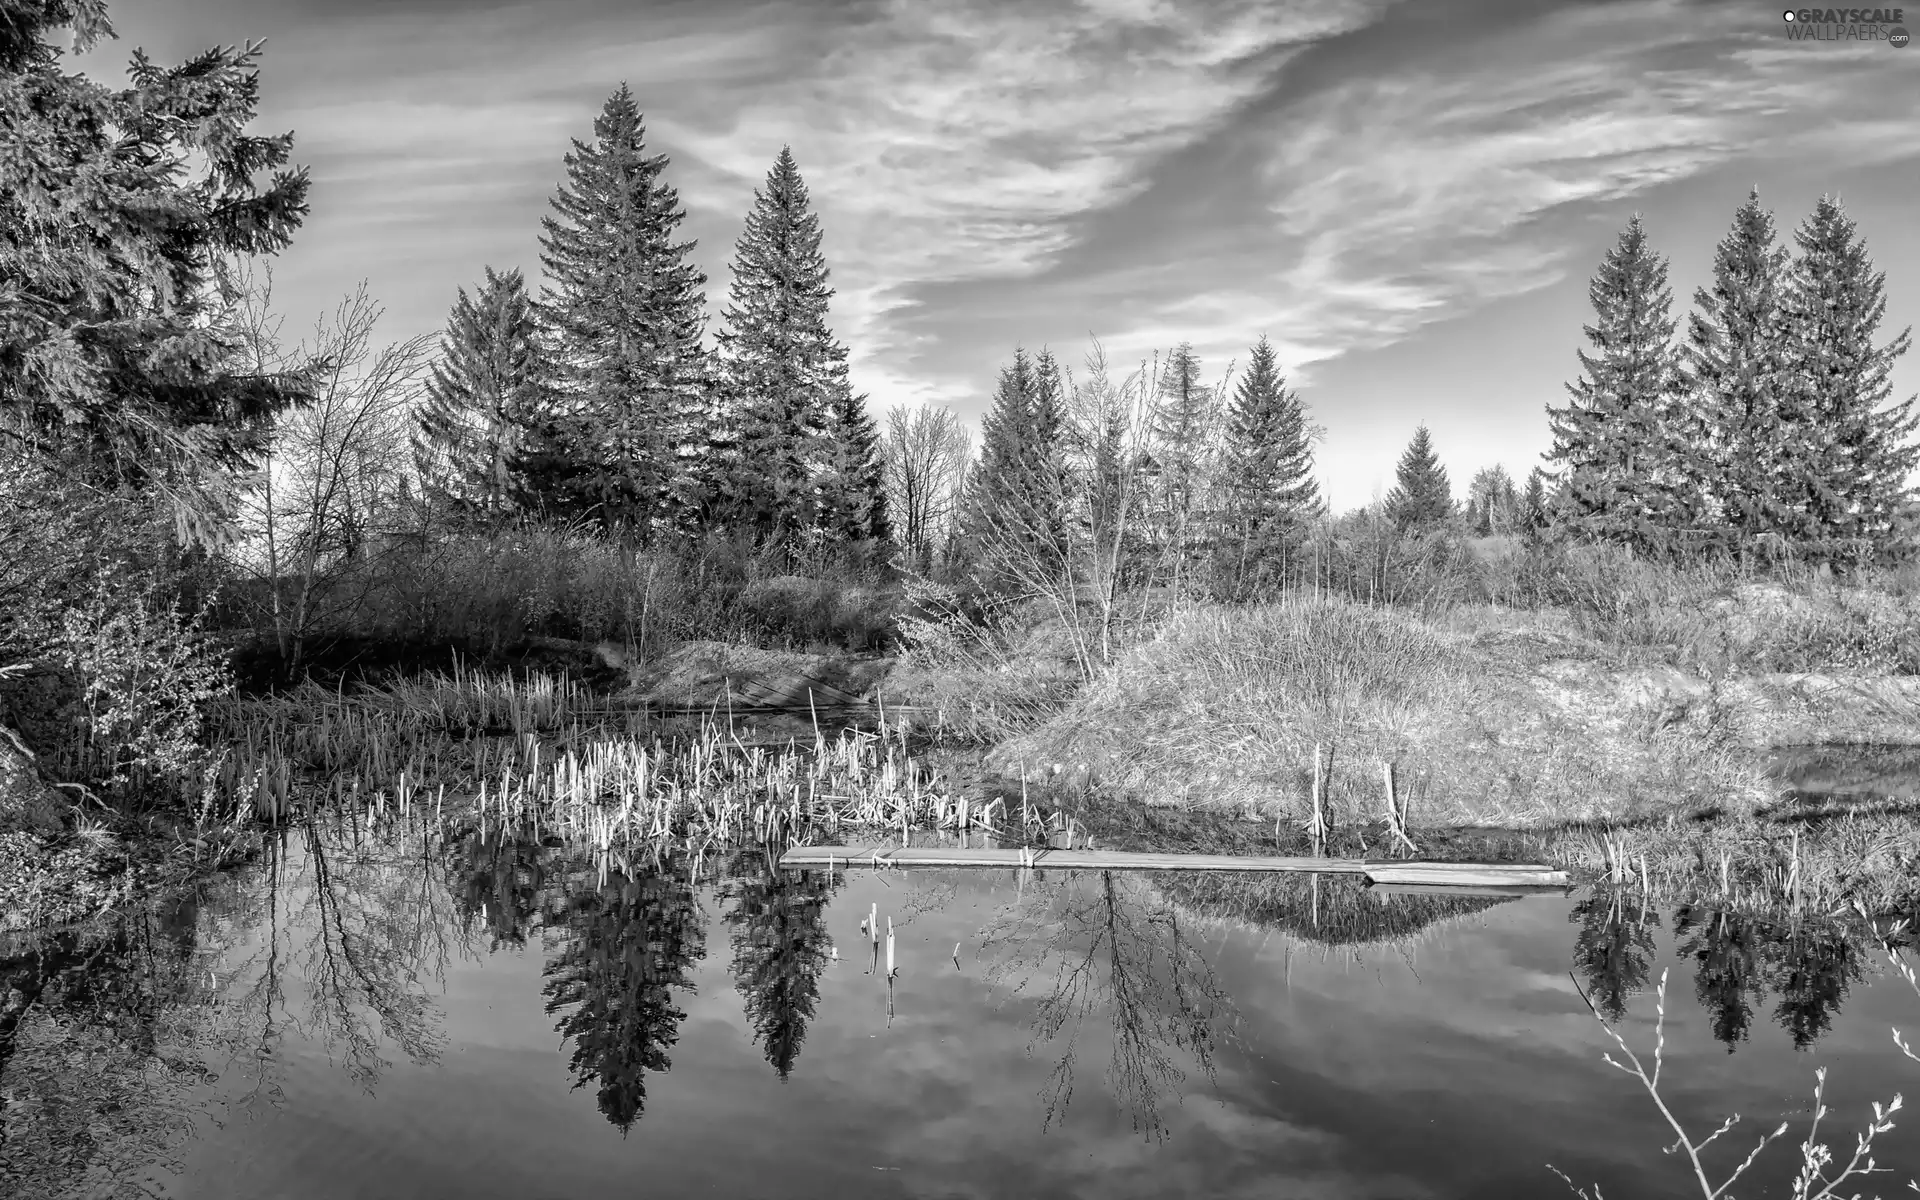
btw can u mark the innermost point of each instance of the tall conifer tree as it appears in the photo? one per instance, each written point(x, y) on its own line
point(1016, 499)
point(1620, 435)
point(1738, 372)
point(790, 407)
point(1268, 485)
point(486, 391)
point(1855, 452)
point(1422, 498)
point(624, 310)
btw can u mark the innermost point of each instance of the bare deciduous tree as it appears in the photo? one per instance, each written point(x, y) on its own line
point(334, 469)
point(926, 451)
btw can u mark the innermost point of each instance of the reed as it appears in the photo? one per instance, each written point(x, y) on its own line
point(551, 768)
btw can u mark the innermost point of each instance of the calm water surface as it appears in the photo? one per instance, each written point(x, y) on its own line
point(390, 1017)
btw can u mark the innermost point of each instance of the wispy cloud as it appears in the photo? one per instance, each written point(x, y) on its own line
point(1339, 174)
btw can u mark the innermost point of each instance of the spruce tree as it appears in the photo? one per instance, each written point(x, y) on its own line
point(1016, 501)
point(1853, 453)
point(485, 392)
point(1421, 500)
point(1737, 370)
point(118, 212)
point(1620, 434)
point(852, 505)
point(623, 308)
point(788, 396)
point(1268, 486)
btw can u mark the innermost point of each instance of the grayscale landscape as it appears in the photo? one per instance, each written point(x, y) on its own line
point(958, 598)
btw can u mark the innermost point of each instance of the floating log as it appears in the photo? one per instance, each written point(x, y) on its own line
point(1452, 875)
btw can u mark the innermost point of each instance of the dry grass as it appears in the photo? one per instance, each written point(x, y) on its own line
point(1225, 708)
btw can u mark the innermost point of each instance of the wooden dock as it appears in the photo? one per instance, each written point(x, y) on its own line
point(1377, 871)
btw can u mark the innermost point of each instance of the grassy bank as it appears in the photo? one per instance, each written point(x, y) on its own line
point(1489, 719)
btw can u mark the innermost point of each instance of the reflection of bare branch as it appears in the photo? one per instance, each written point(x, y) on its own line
point(1108, 942)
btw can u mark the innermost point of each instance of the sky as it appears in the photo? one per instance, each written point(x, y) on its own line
point(1407, 198)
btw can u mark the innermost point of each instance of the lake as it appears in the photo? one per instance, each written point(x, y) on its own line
point(392, 1014)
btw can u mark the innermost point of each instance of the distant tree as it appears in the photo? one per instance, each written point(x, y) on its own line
point(1016, 495)
point(926, 451)
point(1267, 487)
point(1534, 505)
point(1421, 499)
point(120, 211)
point(1619, 434)
point(788, 395)
point(623, 308)
point(1493, 503)
point(1853, 453)
point(1738, 369)
point(1182, 428)
point(487, 389)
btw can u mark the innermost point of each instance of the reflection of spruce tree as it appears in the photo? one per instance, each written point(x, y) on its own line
point(1614, 950)
point(1726, 975)
point(627, 946)
point(502, 883)
point(1810, 973)
point(779, 921)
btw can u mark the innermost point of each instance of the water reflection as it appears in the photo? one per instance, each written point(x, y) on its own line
point(780, 949)
point(119, 1041)
point(622, 946)
point(1107, 944)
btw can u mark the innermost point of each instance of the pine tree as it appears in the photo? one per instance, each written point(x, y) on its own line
point(623, 308)
point(1422, 499)
point(1620, 435)
point(1015, 498)
point(486, 391)
point(118, 212)
point(1853, 453)
point(786, 375)
point(1269, 490)
point(1737, 371)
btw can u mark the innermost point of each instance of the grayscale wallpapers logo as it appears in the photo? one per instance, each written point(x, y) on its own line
point(1848, 25)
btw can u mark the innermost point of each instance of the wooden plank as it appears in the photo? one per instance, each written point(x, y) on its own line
point(1467, 874)
point(1122, 860)
point(1429, 874)
point(1386, 890)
